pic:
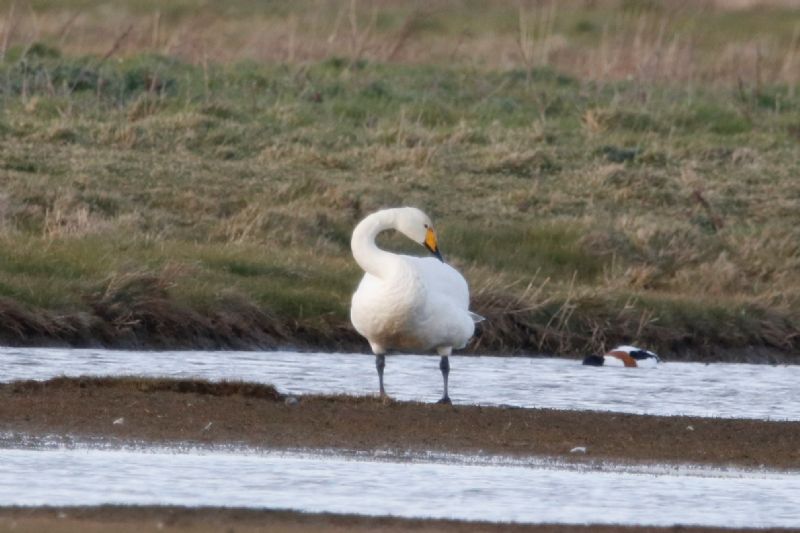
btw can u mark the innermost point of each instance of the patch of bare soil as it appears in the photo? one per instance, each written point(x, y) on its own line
point(201, 520)
point(166, 411)
point(178, 519)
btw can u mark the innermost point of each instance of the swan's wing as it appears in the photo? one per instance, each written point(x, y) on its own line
point(363, 302)
point(442, 279)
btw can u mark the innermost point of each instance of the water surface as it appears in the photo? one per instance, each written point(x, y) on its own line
point(709, 390)
point(491, 490)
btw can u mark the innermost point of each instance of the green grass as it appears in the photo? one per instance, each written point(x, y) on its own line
point(651, 211)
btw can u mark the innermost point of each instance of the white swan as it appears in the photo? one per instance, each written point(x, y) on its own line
point(408, 303)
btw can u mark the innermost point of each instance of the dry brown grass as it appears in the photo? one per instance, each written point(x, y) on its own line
point(149, 201)
point(646, 40)
point(143, 384)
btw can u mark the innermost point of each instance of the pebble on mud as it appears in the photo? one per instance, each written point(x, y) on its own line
point(578, 449)
point(119, 421)
point(291, 400)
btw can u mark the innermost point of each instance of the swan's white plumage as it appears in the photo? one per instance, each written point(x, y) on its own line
point(403, 302)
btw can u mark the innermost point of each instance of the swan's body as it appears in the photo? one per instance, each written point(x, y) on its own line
point(408, 303)
point(626, 356)
point(421, 304)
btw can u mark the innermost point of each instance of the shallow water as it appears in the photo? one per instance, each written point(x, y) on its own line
point(710, 390)
point(479, 489)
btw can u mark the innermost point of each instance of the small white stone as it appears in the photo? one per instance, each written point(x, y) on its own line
point(119, 421)
point(690, 428)
point(208, 426)
point(578, 449)
point(291, 400)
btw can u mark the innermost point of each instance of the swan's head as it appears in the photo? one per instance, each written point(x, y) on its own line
point(418, 227)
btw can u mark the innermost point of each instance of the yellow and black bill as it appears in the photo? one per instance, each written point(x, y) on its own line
point(432, 245)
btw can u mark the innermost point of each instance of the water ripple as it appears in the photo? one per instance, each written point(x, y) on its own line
point(481, 490)
point(716, 390)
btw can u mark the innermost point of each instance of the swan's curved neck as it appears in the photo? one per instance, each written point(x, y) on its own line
point(372, 259)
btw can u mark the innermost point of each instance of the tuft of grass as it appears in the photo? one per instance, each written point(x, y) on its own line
point(199, 387)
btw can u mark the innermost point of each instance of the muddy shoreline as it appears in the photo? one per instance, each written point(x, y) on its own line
point(161, 324)
point(163, 411)
point(142, 411)
point(125, 519)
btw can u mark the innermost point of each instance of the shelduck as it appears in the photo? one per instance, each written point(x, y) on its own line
point(628, 356)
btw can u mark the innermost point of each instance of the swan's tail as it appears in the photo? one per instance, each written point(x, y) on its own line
point(476, 317)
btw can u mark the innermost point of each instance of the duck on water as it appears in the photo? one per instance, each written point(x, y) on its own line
point(626, 356)
point(407, 303)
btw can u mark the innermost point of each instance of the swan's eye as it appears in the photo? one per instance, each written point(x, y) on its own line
point(426, 226)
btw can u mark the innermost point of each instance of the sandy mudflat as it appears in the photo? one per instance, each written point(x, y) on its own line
point(167, 411)
point(164, 411)
point(202, 520)
point(176, 519)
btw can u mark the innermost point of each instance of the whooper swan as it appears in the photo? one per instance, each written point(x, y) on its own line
point(408, 303)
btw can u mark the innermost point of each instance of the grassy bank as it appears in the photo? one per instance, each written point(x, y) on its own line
point(151, 199)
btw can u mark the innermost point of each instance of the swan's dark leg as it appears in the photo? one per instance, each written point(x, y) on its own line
point(380, 364)
point(444, 366)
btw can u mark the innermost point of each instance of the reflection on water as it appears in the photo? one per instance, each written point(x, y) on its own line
point(470, 490)
point(719, 390)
